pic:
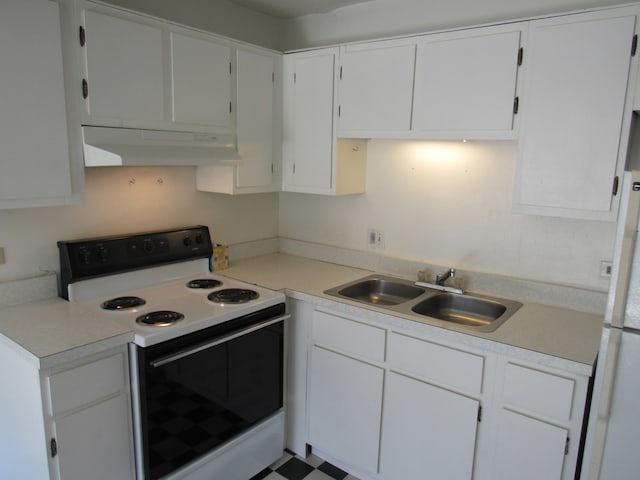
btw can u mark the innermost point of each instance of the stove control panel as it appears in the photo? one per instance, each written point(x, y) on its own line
point(92, 257)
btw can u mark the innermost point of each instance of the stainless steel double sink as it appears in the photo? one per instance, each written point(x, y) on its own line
point(477, 312)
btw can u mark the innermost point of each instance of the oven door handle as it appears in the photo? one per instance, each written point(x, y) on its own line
point(190, 351)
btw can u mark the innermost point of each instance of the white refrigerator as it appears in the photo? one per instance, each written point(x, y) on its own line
point(612, 447)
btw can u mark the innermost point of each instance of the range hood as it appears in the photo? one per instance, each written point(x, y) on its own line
point(107, 146)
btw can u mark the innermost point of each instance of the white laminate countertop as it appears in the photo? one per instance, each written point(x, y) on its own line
point(558, 332)
point(53, 331)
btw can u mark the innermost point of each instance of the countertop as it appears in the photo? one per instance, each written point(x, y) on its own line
point(558, 332)
point(52, 331)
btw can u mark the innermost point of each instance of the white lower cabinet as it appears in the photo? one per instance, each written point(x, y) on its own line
point(90, 420)
point(68, 422)
point(427, 431)
point(387, 403)
point(539, 420)
point(528, 449)
point(345, 392)
point(345, 408)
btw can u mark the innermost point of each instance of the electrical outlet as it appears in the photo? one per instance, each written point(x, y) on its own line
point(605, 269)
point(375, 239)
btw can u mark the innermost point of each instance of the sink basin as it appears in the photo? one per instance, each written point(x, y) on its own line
point(399, 296)
point(378, 291)
point(484, 314)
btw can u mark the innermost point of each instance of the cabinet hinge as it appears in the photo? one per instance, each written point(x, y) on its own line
point(566, 446)
point(53, 448)
point(85, 88)
point(616, 183)
point(634, 45)
point(479, 413)
point(520, 55)
point(82, 36)
point(516, 105)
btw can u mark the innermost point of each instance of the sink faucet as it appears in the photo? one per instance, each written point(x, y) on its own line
point(440, 279)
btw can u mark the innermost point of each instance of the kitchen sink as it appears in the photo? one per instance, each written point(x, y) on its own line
point(483, 314)
point(476, 312)
point(377, 290)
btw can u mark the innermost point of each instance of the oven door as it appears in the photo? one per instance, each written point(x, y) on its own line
point(198, 391)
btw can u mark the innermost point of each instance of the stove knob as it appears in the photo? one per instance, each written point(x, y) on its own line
point(148, 246)
point(103, 254)
point(187, 241)
point(85, 256)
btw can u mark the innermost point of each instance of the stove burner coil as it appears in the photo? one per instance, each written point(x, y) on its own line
point(204, 283)
point(161, 318)
point(122, 303)
point(233, 295)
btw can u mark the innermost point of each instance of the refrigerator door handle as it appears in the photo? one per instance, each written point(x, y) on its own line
point(604, 403)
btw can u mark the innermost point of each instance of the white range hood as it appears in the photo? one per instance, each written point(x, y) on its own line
point(108, 147)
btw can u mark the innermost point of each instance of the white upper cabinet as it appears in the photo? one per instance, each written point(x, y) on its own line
point(256, 117)
point(465, 83)
point(37, 165)
point(124, 70)
point(309, 112)
point(258, 120)
point(314, 160)
point(376, 87)
point(573, 106)
point(141, 72)
point(201, 80)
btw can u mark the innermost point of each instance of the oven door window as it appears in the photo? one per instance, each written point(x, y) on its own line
point(195, 403)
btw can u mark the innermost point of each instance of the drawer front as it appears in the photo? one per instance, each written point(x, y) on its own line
point(348, 336)
point(436, 363)
point(87, 383)
point(538, 392)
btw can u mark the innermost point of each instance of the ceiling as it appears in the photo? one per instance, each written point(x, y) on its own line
point(294, 8)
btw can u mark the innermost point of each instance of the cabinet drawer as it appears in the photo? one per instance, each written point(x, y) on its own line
point(436, 363)
point(348, 336)
point(538, 392)
point(87, 383)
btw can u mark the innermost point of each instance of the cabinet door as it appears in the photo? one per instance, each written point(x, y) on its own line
point(201, 76)
point(528, 449)
point(576, 80)
point(427, 432)
point(466, 82)
point(309, 122)
point(33, 126)
point(124, 70)
point(376, 87)
point(255, 118)
point(96, 442)
point(345, 405)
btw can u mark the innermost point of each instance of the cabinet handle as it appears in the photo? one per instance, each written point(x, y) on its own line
point(53, 447)
point(634, 45)
point(516, 105)
point(85, 88)
point(520, 56)
point(82, 36)
point(616, 183)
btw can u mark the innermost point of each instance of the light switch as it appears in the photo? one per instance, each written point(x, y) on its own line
point(1, 255)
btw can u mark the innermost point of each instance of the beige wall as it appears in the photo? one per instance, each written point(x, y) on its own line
point(450, 204)
point(132, 199)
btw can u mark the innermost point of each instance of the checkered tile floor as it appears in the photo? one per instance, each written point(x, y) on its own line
point(292, 467)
